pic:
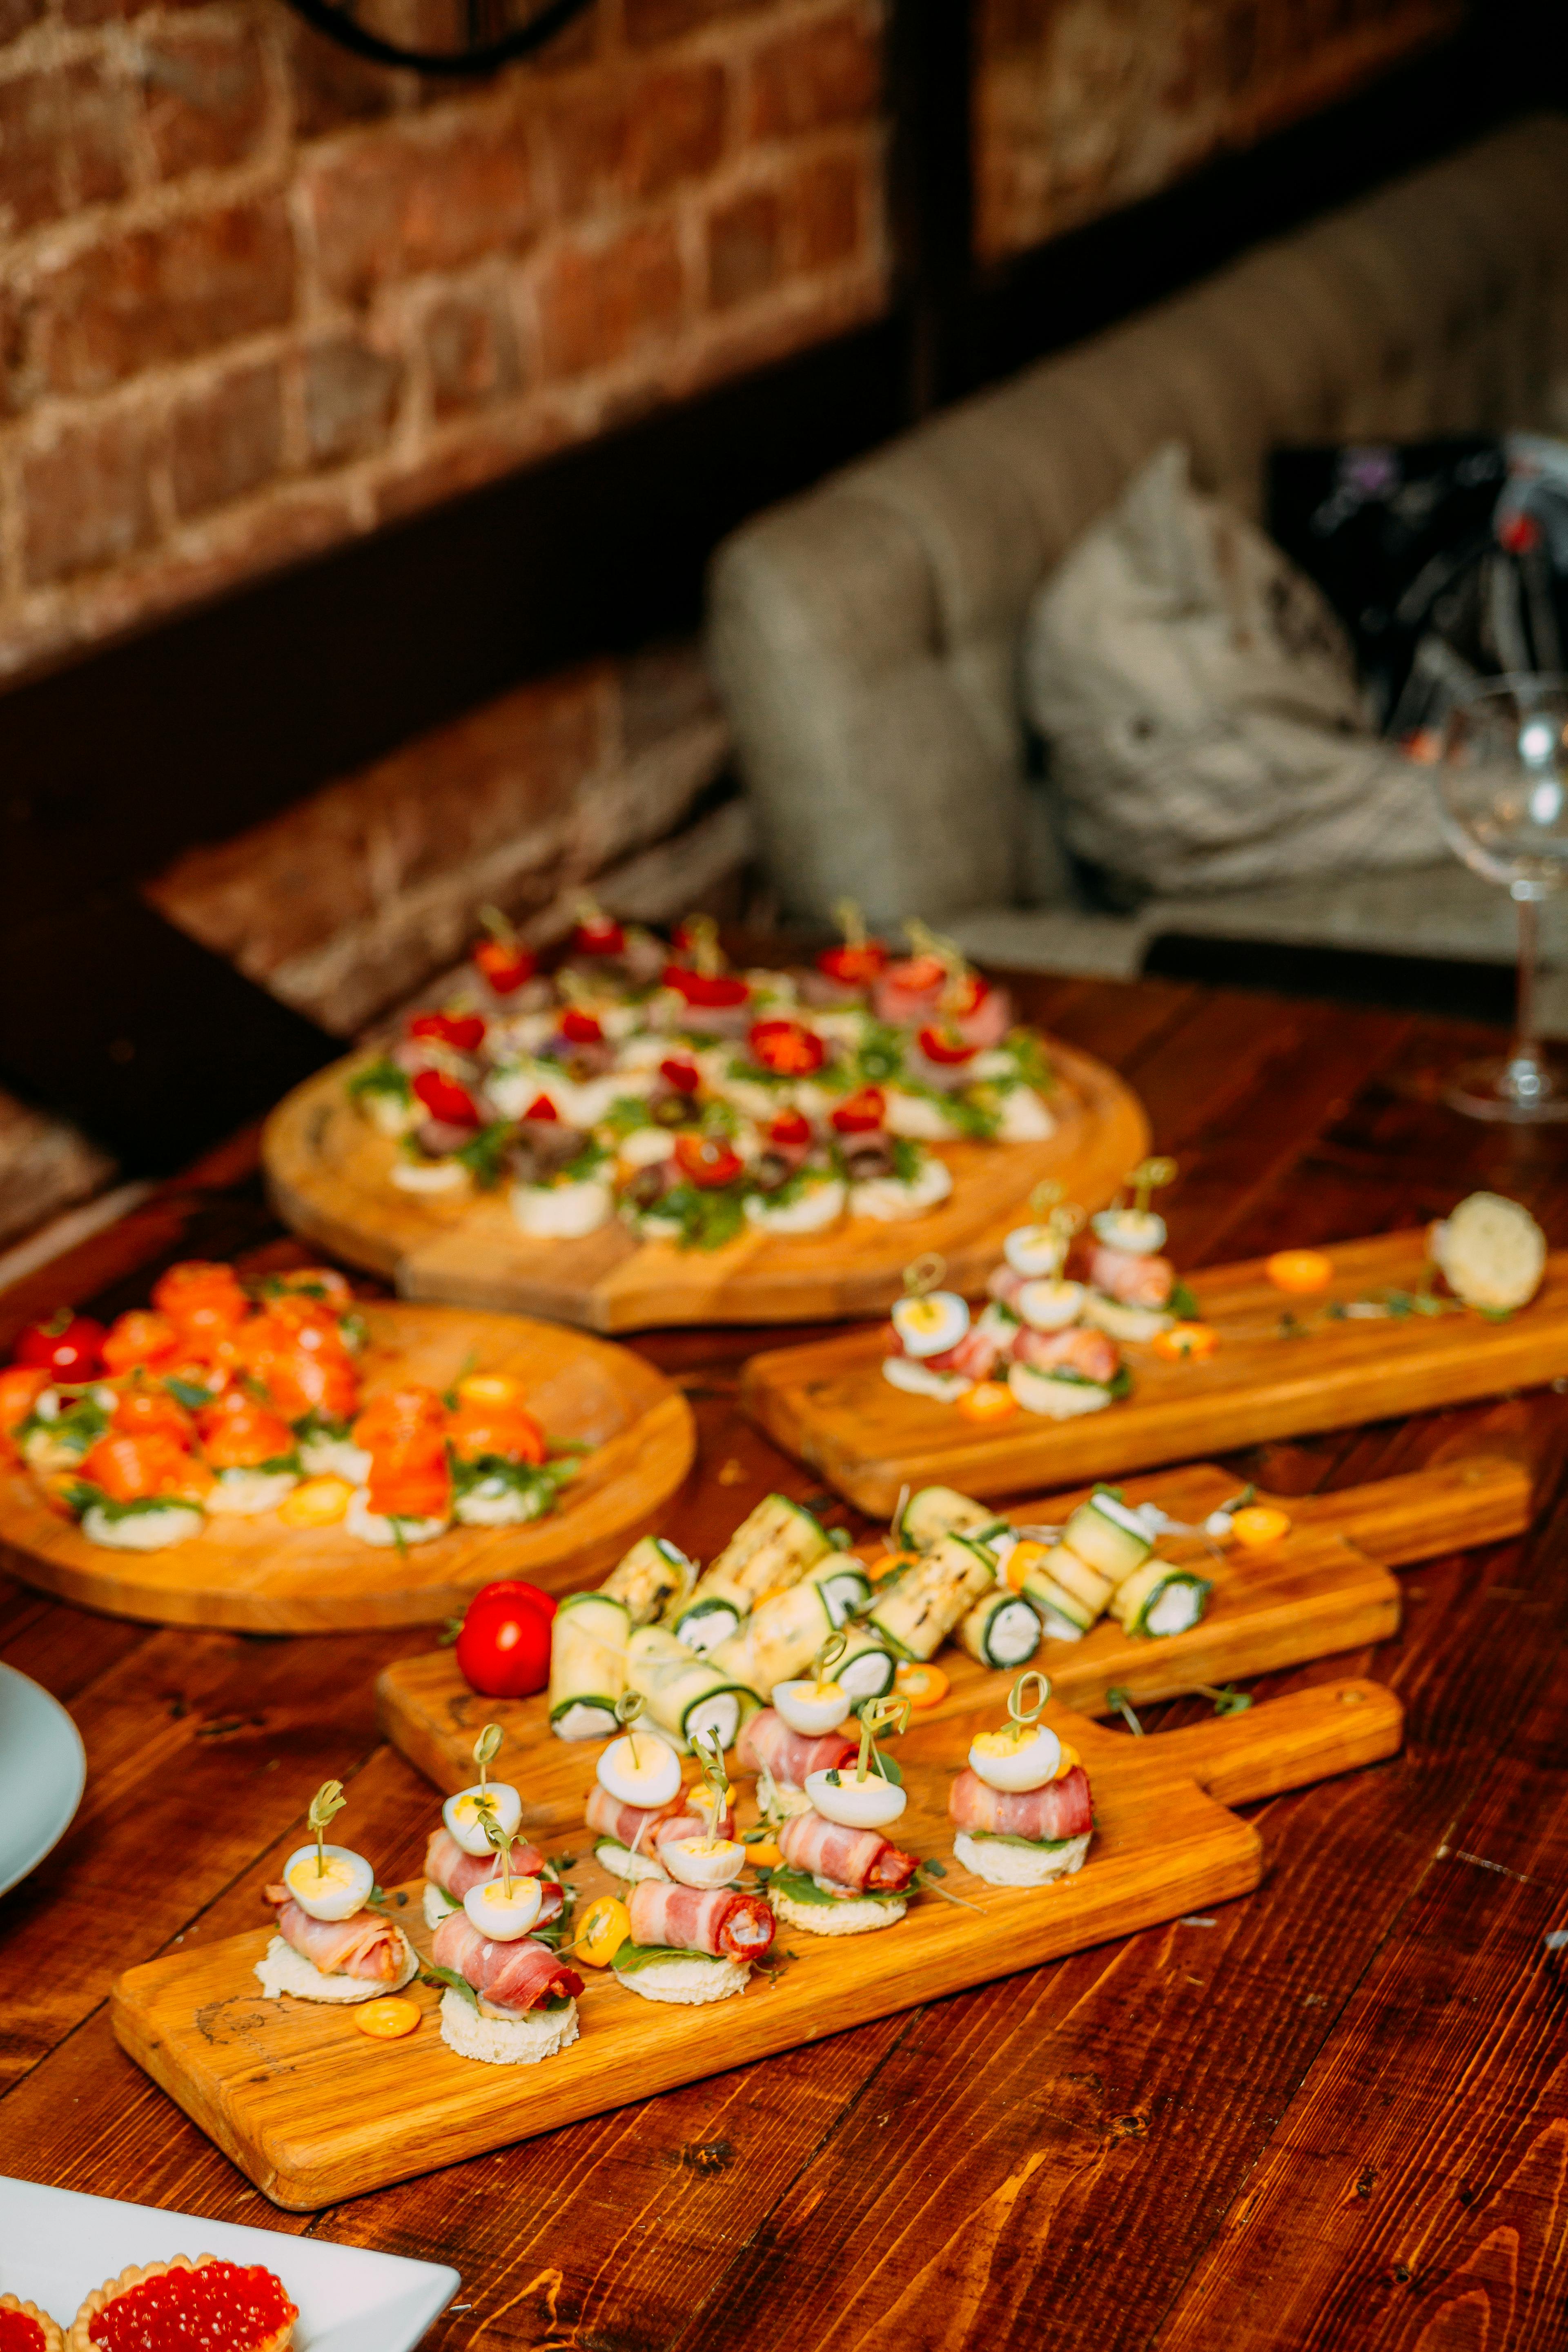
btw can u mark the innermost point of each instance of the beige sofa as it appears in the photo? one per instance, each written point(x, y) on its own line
point(865, 637)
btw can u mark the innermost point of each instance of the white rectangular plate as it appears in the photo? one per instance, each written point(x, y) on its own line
point(56, 2247)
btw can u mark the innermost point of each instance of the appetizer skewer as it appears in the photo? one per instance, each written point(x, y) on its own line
point(1021, 1806)
point(841, 1876)
point(510, 1999)
point(694, 1936)
point(330, 1944)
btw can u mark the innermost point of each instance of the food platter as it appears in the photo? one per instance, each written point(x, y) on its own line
point(328, 1171)
point(312, 2110)
point(256, 1575)
point(43, 1770)
point(1279, 1368)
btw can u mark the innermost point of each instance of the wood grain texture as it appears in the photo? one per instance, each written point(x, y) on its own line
point(828, 1402)
point(312, 2111)
point(258, 1575)
point(328, 1172)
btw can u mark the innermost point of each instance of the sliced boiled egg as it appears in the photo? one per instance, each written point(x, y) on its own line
point(503, 1913)
point(1047, 1306)
point(1139, 1231)
point(695, 1862)
point(1036, 1249)
point(928, 1326)
point(462, 1816)
point(1014, 1765)
point(638, 1769)
point(868, 1804)
point(336, 1891)
point(811, 1706)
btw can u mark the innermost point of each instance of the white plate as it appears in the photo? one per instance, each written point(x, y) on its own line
point(42, 1771)
point(56, 2247)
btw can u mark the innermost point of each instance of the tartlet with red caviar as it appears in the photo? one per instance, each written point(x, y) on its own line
point(25, 2328)
point(167, 2307)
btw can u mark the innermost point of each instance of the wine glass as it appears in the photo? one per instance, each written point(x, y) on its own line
point(1502, 798)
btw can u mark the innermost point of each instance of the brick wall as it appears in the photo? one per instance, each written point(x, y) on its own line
point(1085, 105)
point(255, 296)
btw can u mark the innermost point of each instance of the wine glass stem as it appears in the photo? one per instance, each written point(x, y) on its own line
point(1525, 1054)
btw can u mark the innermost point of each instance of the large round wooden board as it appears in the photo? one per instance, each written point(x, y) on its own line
point(329, 1173)
point(258, 1575)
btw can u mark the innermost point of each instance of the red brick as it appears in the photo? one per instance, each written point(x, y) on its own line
point(167, 293)
point(597, 303)
point(228, 439)
point(85, 498)
point(400, 201)
point(744, 248)
point(827, 72)
point(205, 95)
point(650, 21)
point(612, 144)
point(472, 352)
point(827, 202)
point(330, 87)
point(63, 137)
point(350, 394)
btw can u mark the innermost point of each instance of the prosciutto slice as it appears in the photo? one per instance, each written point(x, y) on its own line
point(455, 1872)
point(862, 1862)
point(767, 1743)
point(1134, 1281)
point(697, 1919)
point(1060, 1810)
point(364, 1945)
point(633, 1825)
point(516, 1976)
point(1076, 1349)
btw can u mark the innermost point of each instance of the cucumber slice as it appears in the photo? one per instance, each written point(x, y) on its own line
point(938, 1511)
point(588, 1638)
point(704, 1623)
point(1108, 1536)
point(1159, 1601)
point(1002, 1630)
point(1075, 1576)
point(653, 1580)
point(924, 1604)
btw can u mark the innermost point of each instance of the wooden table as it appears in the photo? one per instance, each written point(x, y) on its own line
point(1333, 2113)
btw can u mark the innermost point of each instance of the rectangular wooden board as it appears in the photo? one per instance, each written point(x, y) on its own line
point(828, 1403)
point(313, 2110)
point(1326, 1588)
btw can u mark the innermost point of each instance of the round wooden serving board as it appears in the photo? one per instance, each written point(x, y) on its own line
point(329, 1173)
point(257, 1575)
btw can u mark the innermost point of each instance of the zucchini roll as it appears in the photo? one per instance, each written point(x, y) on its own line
point(654, 1579)
point(868, 1666)
point(1108, 1536)
point(1001, 1630)
point(706, 1619)
point(938, 1511)
point(685, 1692)
point(917, 1611)
point(588, 1637)
point(769, 1550)
point(1160, 1600)
point(785, 1632)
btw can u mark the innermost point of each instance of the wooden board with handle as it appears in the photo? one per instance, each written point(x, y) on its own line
point(329, 1174)
point(827, 1403)
point(1325, 1588)
point(312, 2110)
point(258, 1575)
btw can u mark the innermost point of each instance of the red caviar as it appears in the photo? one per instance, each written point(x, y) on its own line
point(217, 2307)
point(19, 2331)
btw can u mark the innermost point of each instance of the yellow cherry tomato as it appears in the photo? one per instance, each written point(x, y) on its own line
point(388, 2019)
point(987, 1400)
point(316, 1503)
point(1022, 1557)
point(1299, 1270)
point(605, 1930)
point(1185, 1339)
point(889, 1564)
point(1070, 1762)
point(1259, 1526)
point(764, 1854)
point(921, 1685)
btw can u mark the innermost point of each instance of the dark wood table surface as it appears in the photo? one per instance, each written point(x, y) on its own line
point(1336, 2113)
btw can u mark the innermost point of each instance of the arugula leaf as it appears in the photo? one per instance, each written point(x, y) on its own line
point(632, 1957)
point(1006, 1837)
point(1183, 1302)
point(382, 1077)
point(431, 1975)
point(1030, 1060)
point(187, 1394)
point(484, 1154)
point(625, 1115)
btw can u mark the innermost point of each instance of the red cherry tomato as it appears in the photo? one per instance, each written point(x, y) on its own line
point(714, 991)
point(788, 1048)
point(707, 1161)
point(598, 936)
point(505, 963)
point(445, 1099)
point(944, 1045)
point(503, 1649)
point(863, 1113)
point(854, 965)
point(70, 1346)
point(463, 1031)
point(542, 1108)
point(684, 1077)
point(792, 1129)
point(581, 1028)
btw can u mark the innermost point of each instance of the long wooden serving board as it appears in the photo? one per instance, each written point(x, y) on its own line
point(312, 2111)
point(1323, 1588)
point(828, 1403)
point(256, 1575)
point(329, 1173)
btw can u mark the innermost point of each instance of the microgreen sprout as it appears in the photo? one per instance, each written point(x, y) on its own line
point(827, 1658)
point(1148, 1176)
point(1024, 1711)
point(882, 1715)
point(628, 1706)
point(710, 1750)
point(486, 1747)
point(924, 1273)
point(325, 1805)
